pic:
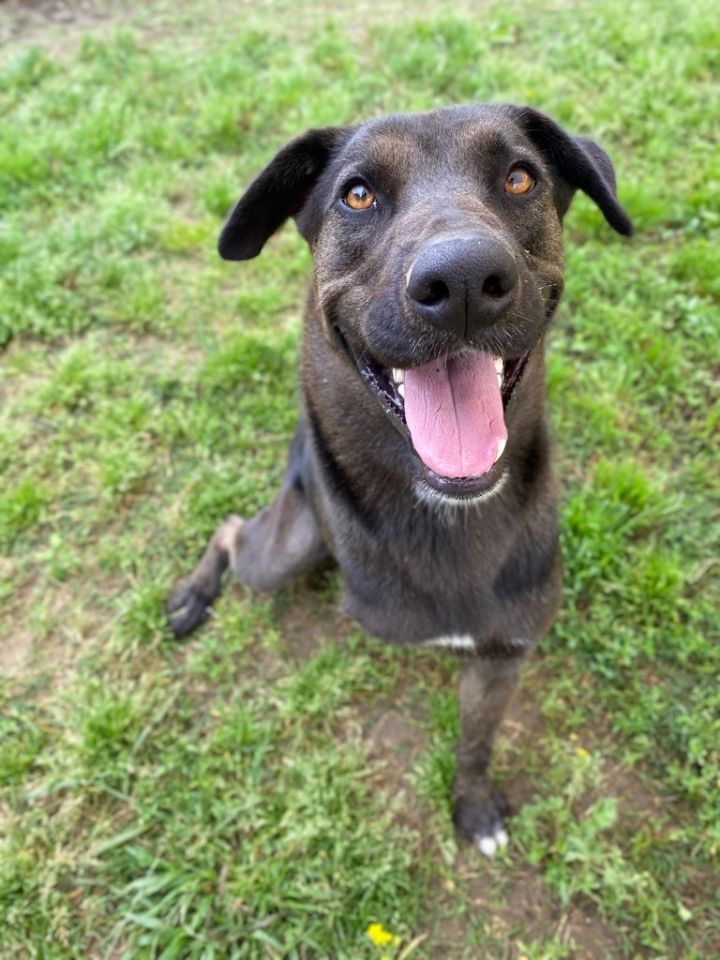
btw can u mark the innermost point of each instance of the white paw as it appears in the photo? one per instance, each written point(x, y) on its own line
point(489, 845)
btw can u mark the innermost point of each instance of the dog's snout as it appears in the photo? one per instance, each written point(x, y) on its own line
point(462, 284)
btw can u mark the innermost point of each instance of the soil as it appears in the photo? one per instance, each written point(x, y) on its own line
point(48, 22)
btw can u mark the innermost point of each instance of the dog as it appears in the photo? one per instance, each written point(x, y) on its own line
point(421, 461)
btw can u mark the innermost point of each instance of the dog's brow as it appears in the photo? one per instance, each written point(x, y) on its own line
point(483, 139)
point(385, 149)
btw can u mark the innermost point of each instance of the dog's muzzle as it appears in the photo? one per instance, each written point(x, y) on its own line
point(462, 284)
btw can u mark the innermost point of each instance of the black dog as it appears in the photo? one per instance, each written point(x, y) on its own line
point(421, 461)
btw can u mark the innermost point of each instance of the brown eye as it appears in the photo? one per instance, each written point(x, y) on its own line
point(359, 197)
point(519, 180)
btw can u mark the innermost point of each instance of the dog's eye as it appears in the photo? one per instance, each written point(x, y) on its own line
point(359, 197)
point(518, 181)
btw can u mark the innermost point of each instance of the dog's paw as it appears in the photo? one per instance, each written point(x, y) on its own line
point(483, 822)
point(186, 609)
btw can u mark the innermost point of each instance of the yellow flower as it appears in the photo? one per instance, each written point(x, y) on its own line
point(379, 935)
point(582, 752)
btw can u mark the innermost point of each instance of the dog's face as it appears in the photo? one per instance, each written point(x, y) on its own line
point(438, 262)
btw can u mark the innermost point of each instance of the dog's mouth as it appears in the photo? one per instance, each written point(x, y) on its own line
point(452, 411)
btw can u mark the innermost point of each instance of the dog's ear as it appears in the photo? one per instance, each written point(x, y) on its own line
point(579, 163)
point(278, 192)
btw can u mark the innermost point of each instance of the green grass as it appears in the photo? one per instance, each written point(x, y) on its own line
point(232, 795)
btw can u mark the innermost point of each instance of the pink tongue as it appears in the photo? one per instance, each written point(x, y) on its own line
point(454, 413)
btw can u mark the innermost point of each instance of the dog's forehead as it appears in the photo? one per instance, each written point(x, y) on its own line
point(409, 141)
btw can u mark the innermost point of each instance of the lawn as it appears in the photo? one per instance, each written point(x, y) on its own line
point(279, 782)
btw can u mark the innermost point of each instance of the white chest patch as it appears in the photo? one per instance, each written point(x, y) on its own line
point(453, 641)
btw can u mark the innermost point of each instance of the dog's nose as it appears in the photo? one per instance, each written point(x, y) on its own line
point(462, 284)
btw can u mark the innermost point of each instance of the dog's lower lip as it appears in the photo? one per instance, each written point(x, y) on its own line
point(462, 488)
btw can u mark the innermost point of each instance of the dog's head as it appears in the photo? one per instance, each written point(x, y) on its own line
point(438, 261)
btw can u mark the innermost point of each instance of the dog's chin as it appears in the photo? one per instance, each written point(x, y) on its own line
point(386, 384)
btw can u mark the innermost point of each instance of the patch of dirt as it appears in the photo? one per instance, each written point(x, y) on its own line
point(19, 646)
point(393, 744)
point(636, 802)
point(527, 907)
point(39, 21)
point(307, 614)
point(588, 936)
point(59, 25)
point(16, 652)
point(518, 906)
point(518, 789)
point(42, 642)
point(396, 736)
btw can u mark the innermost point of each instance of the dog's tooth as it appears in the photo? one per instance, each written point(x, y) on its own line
point(499, 376)
point(498, 365)
point(398, 375)
point(501, 447)
point(401, 389)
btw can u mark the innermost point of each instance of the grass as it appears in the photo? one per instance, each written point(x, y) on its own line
point(235, 795)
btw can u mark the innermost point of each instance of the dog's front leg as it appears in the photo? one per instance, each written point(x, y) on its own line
point(266, 552)
point(190, 604)
point(486, 686)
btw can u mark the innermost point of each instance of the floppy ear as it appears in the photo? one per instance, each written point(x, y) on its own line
point(278, 192)
point(581, 164)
